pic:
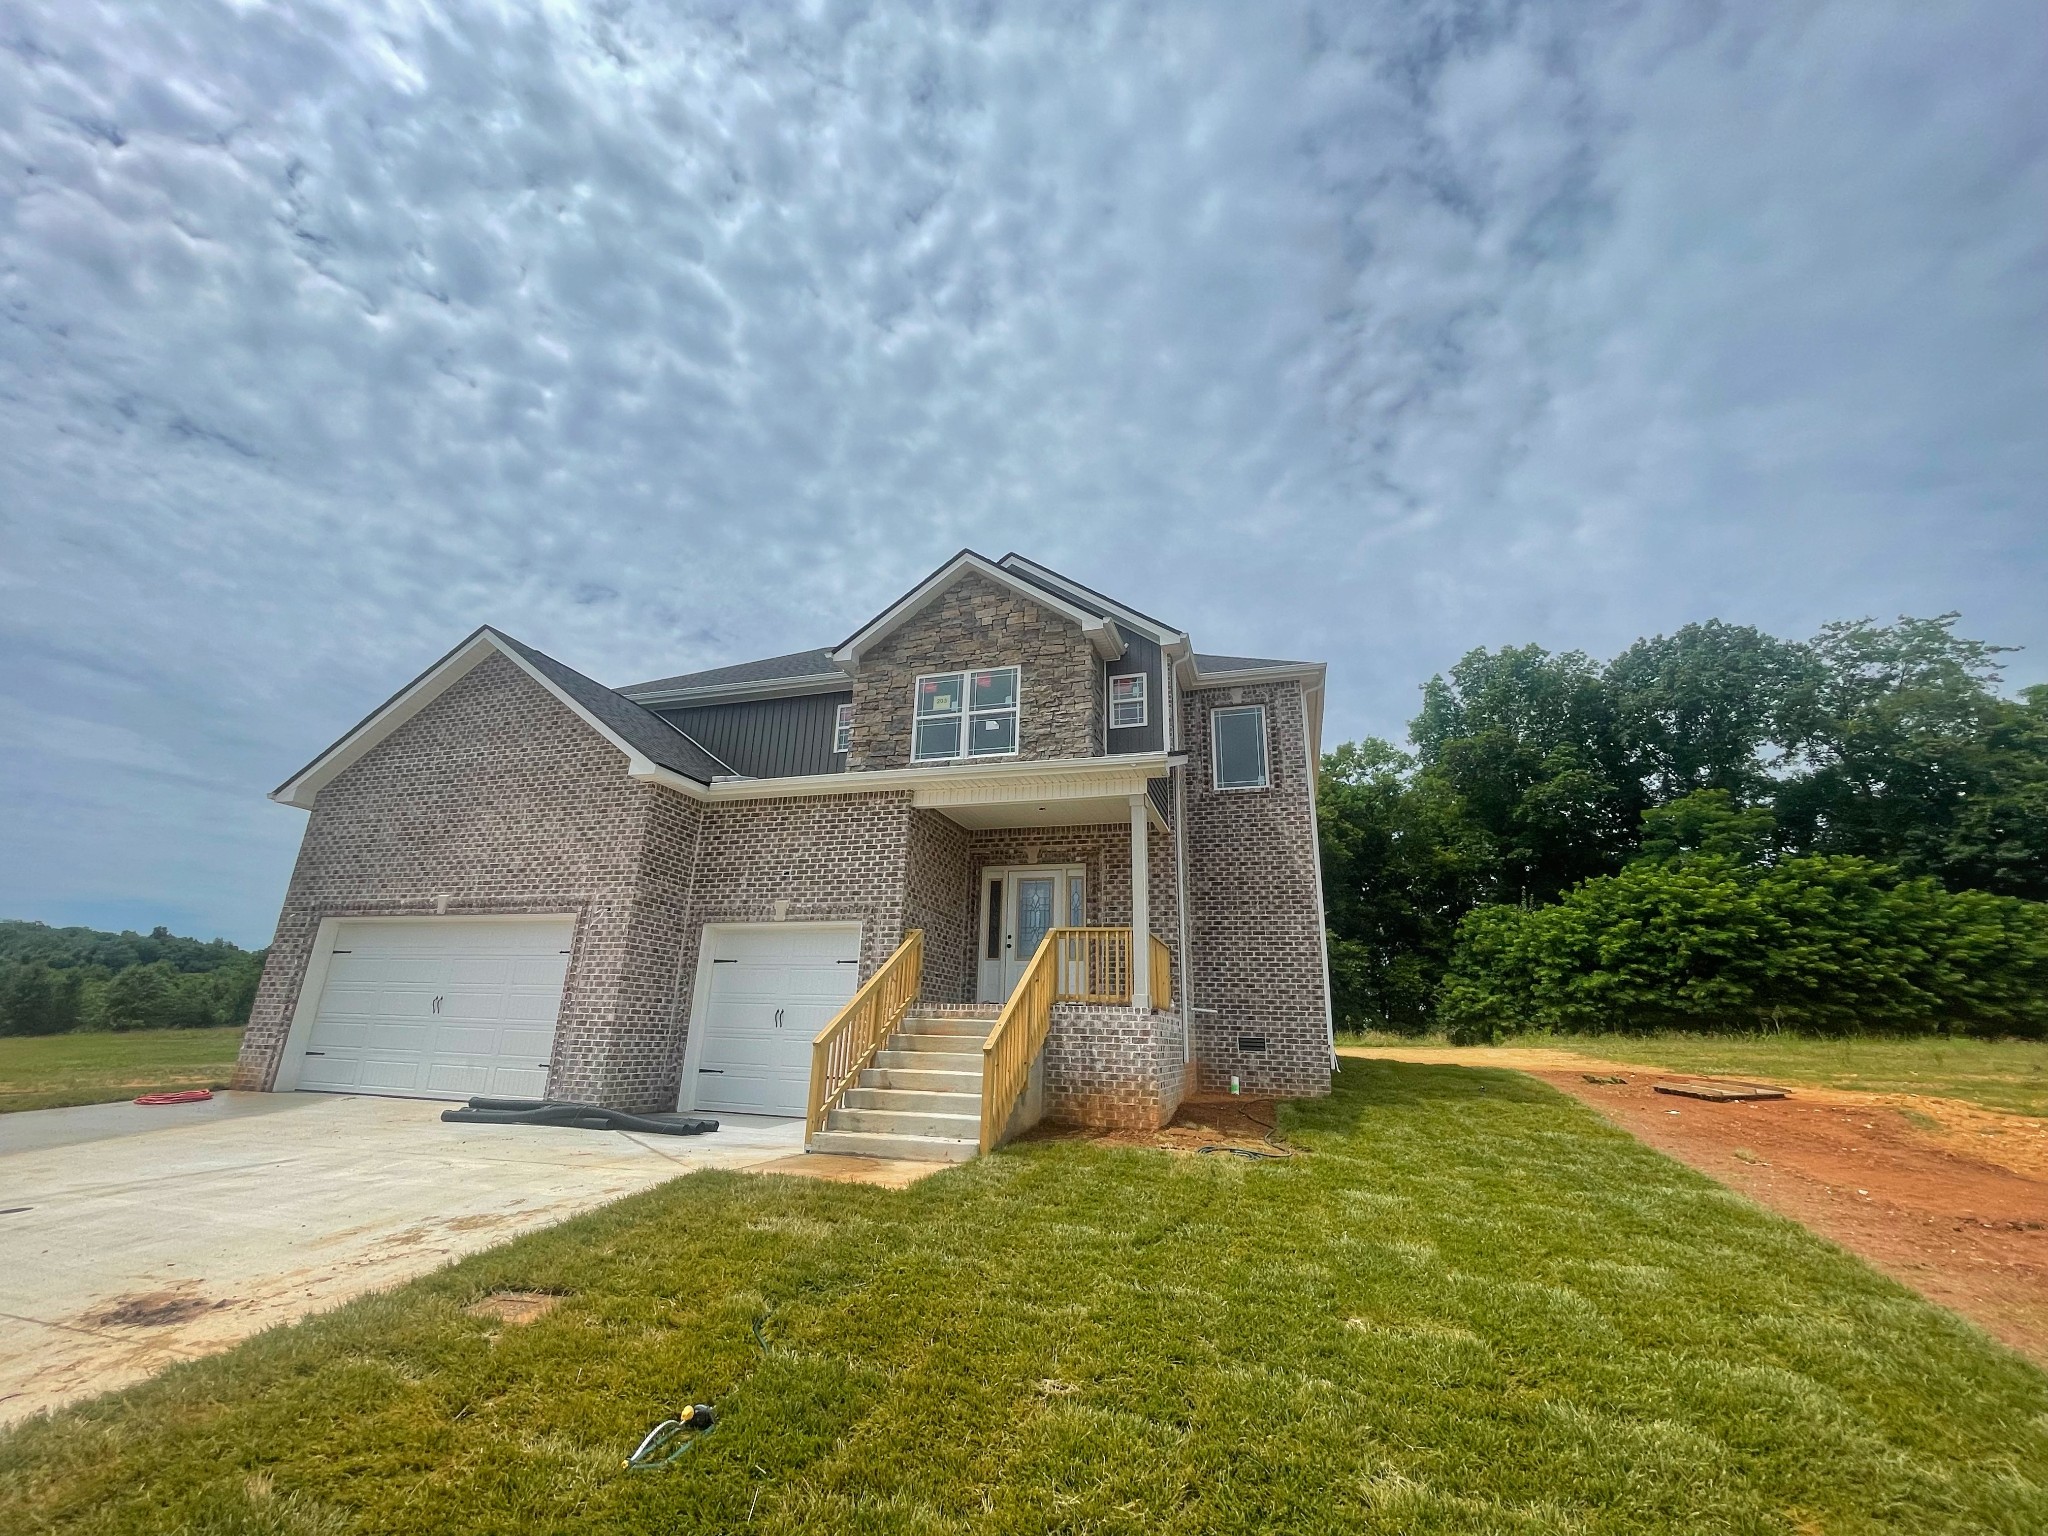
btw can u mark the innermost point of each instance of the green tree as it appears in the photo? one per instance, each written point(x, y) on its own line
point(1709, 822)
point(36, 1000)
point(1530, 745)
point(1711, 706)
point(1402, 864)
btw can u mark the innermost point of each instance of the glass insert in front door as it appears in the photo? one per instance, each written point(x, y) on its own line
point(1034, 913)
point(1019, 907)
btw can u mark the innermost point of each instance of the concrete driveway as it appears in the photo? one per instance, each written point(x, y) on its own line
point(131, 1237)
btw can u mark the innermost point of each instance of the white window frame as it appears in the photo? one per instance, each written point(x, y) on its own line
point(968, 714)
point(1144, 701)
point(1265, 749)
point(842, 730)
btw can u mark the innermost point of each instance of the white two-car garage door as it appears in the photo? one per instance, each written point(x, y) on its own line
point(438, 1007)
point(763, 993)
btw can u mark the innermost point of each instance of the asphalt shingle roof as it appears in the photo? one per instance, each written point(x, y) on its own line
point(773, 669)
point(1211, 664)
point(646, 732)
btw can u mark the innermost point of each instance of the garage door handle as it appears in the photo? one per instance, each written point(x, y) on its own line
point(778, 1018)
point(712, 1071)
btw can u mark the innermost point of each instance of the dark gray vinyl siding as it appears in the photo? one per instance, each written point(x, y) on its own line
point(769, 738)
point(1140, 655)
point(1161, 791)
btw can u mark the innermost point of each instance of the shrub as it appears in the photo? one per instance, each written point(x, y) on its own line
point(1825, 945)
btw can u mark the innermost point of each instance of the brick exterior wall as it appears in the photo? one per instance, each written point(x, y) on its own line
point(1114, 1067)
point(503, 801)
point(977, 623)
point(1253, 886)
point(939, 898)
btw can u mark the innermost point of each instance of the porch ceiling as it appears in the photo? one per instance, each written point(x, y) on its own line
point(1079, 811)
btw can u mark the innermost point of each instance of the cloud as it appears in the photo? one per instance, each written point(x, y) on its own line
point(667, 335)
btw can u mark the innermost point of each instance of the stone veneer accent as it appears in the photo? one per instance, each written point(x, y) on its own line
point(1255, 916)
point(977, 623)
point(1114, 1067)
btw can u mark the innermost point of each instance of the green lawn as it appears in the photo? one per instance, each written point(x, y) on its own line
point(2009, 1075)
point(1471, 1306)
point(46, 1071)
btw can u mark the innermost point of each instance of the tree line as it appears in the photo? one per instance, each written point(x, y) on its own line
point(54, 980)
point(1714, 828)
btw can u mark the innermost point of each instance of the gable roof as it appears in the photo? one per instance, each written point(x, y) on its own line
point(1225, 666)
point(770, 674)
point(1156, 630)
point(1100, 631)
point(648, 741)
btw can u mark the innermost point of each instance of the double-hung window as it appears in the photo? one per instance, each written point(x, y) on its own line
point(842, 729)
point(965, 714)
point(1127, 701)
point(1237, 742)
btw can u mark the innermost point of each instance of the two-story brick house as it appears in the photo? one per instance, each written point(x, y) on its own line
point(516, 880)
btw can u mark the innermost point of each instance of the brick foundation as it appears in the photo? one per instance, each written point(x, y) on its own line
point(1117, 1068)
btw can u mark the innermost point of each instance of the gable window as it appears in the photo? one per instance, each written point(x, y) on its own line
point(842, 729)
point(1127, 702)
point(965, 714)
point(1237, 743)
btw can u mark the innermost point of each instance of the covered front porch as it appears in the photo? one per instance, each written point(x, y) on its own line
point(1038, 972)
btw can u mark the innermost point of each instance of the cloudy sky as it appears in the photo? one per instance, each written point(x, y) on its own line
point(665, 335)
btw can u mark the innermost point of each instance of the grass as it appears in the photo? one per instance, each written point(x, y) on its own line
point(1471, 1306)
point(50, 1071)
point(2008, 1075)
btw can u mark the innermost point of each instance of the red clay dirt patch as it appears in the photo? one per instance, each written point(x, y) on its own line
point(1204, 1123)
point(1947, 1198)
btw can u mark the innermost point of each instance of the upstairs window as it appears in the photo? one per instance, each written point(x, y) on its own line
point(965, 714)
point(842, 729)
point(1127, 702)
point(1237, 742)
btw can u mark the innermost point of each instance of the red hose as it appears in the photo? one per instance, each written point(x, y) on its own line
point(188, 1096)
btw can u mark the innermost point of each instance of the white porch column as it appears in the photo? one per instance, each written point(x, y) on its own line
point(1141, 906)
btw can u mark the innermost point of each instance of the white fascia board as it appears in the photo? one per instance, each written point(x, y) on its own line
point(1159, 634)
point(1100, 632)
point(1094, 772)
point(302, 789)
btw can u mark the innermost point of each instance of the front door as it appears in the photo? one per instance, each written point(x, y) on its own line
point(1020, 904)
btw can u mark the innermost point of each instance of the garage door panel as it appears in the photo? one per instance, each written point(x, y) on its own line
point(534, 1007)
point(745, 1060)
point(377, 1029)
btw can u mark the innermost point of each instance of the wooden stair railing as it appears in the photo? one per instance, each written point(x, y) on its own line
point(1073, 965)
point(845, 1046)
point(1019, 1035)
point(1162, 975)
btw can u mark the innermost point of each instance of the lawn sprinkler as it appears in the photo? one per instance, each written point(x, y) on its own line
point(666, 1442)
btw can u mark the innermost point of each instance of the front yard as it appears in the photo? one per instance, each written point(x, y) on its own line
point(97, 1066)
point(1468, 1305)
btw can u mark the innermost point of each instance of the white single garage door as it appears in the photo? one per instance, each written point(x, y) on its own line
point(769, 991)
point(439, 1007)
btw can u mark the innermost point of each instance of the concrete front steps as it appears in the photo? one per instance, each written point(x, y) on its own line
point(921, 1096)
